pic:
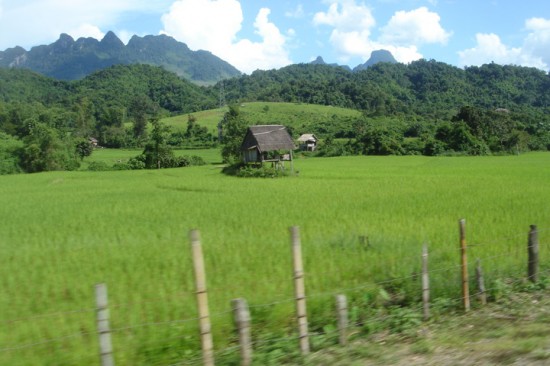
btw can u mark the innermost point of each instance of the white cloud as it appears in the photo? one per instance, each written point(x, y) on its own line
point(537, 43)
point(41, 21)
point(534, 52)
point(489, 48)
point(125, 35)
point(87, 30)
point(297, 13)
point(416, 27)
point(204, 24)
point(346, 16)
point(352, 25)
point(213, 25)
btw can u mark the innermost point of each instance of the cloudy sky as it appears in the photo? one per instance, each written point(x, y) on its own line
point(266, 34)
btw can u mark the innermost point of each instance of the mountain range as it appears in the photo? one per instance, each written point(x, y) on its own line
point(67, 59)
point(375, 57)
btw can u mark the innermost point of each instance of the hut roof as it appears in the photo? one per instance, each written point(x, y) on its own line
point(307, 137)
point(268, 138)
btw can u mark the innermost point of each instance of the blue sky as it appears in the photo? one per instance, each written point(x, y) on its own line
point(266, 34)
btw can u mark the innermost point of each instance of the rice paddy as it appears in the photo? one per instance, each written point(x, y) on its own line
point(63, 232)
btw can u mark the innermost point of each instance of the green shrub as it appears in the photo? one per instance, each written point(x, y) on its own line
point(249, 171)
point(98, 166)
point(136, 163)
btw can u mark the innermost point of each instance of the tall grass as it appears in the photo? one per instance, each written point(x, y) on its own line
point(63, 232)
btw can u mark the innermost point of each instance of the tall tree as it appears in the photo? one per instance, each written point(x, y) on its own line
point(233, 127)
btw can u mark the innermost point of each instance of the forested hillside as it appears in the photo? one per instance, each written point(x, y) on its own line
point(427, 88)
point(47, 124)
point(426, 107)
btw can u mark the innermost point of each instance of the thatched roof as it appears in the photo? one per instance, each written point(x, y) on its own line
point(307, 137)
point(268, 138)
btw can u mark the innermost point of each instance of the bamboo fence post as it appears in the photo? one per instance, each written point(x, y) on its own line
point(103, 329)
point(464, 265)
point(482, 296)
point(241, 315)
point(202, 299)
point(299, 289)
point(533, 251)
point(342, 312)
point(425, 283)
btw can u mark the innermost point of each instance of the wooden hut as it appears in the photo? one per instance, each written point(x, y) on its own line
point(267, 143)
point(308, 142)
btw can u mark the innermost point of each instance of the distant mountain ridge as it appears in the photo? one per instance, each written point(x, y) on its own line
point(319, 61)
point(67, 59)
point(375, 57)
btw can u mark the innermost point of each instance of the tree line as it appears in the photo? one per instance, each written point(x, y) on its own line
point(47, 124)
point(426, 107)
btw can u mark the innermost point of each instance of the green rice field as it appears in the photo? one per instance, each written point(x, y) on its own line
point(63, 232)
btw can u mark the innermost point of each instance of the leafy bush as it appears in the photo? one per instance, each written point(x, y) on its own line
point(251, 171)
point(136, 163)
point(98, 166)
point(193, 160)
point(261, 172)
point(9, 160)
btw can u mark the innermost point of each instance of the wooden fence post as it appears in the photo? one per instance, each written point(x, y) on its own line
point(241, 315)
point(103, 329)
point(425, 283)
point(464, 265)
point(202, 299)
point(342, 313)
point(299, 289)
point(533, 250)
point(482, 296)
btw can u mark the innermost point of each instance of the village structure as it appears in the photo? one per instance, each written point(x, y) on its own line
point(268, 143)
point(308, 142)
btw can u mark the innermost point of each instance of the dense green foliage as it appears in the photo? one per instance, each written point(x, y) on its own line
point(509, 106)
point(426, 88)
point(233, 127)
point(63, 232)
point(61, 114)
point(426, 107)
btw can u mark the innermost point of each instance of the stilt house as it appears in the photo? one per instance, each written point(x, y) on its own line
point(308, 142)
point(267, 143)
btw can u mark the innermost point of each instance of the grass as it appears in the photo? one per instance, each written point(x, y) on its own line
point(297, 116)
point(63, 232)
point(493, 335)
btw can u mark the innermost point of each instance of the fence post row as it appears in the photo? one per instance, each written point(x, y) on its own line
point(464, 265)
point(202, 299)
point(425, 283)
point(482, 296)
point(342, 314)
point(241, 311)
point(103, 329)
point(299, 289)
point(241, 315)
point(533, 250)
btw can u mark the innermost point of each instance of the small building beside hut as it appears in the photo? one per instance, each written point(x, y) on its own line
point(308, 142)
point(93, 141)
point(267, 143)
